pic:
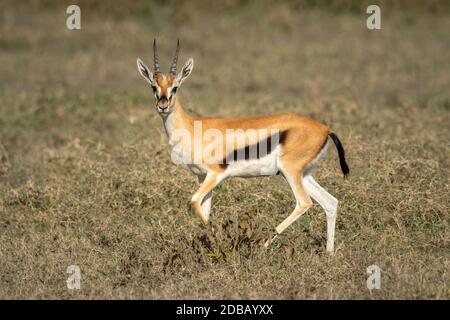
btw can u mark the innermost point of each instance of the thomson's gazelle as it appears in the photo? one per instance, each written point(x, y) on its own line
point(217, 148)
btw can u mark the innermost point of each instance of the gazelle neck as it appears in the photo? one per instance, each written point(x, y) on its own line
point(177, 119)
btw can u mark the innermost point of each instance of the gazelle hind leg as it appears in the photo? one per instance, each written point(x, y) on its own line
point(327, 202)
point(303, 203)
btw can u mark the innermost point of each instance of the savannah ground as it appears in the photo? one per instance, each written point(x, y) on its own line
point(86, 177)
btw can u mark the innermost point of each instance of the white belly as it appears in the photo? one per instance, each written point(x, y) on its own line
point(264, 166)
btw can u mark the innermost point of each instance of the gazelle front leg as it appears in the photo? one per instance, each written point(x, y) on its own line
point(303, 204)
point(206, 204)
point(211, 180)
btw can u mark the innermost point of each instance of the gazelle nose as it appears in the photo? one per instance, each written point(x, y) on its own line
point(163, 103)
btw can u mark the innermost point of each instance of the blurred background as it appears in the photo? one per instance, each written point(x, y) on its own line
point(86, 178)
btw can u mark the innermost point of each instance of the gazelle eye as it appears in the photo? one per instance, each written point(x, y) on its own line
point(174, 90)
point(154, 89)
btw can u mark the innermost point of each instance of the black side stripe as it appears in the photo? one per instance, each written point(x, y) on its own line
point(256, 151)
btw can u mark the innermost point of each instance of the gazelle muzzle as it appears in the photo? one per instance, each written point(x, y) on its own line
point(163, 104)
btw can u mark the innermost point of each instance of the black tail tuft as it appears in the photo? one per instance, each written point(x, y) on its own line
point(340, 149)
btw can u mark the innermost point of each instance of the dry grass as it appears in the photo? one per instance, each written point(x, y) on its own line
point(85, 177)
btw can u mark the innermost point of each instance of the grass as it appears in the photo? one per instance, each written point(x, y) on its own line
point(86, 177)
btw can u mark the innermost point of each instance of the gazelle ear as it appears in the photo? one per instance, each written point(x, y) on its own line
point(186, 71)
point(144, 71)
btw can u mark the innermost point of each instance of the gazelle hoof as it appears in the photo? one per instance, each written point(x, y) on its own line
point(272, 237)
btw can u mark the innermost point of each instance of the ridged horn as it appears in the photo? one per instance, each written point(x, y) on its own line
point(156, 67)
point(173, 68)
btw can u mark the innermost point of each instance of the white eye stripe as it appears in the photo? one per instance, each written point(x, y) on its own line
point(172, 90)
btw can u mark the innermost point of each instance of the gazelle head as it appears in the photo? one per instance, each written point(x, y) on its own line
point(165, 86)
